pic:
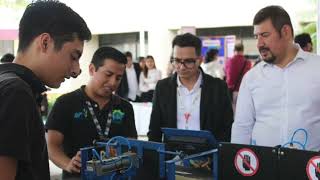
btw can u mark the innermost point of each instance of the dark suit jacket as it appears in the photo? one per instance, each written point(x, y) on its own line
point(216, 114)
point(123, 88)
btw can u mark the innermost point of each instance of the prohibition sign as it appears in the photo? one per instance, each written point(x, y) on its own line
point(246, 162)
point(313, 168)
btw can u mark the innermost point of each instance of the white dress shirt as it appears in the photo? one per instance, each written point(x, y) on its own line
point(149, 83)
point(273, 102)
point(132, 83)
point(188, 105)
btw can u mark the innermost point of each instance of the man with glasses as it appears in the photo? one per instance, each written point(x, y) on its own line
point(190, 99)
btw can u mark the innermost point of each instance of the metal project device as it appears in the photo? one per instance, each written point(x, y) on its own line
point(120, 163)
point(124, 158)
point(119, 158)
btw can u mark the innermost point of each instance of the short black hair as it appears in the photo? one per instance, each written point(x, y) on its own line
point(188, 40)
point(238, 47)
point(278, 16)
point(211, 54)
point(104, 53)
point(303, 39)
point(54, 18)
point(128, 54)
point(7, 58)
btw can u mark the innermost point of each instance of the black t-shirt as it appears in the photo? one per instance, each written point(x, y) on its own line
point(22, 134)
point(70, 116)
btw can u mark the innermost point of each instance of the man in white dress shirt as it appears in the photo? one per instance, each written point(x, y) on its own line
point(281, 94)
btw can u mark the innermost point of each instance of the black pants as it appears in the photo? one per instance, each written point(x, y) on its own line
point(147, 96)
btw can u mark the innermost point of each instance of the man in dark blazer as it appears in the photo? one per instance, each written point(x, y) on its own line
point(212, 112)
point(124, 88)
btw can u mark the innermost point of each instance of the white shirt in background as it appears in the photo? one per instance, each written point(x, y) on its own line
point(214, 69)
point(149, 83)
point(188, 105)
point(132, 83)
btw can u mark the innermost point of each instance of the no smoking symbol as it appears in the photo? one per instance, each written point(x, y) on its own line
point(313, 168)
point(246, 162)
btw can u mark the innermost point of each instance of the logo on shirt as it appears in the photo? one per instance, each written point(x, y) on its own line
point(117, 116)
point(78, 116)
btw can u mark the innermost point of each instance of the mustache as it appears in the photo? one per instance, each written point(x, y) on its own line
point(263, 49)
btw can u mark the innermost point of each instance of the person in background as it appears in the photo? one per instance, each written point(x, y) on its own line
point(7, 58)
point(280, 95)
point(90, 113)
point(212, 65)
point(148, 80)
point(236, 68)
point(169, 69)
point(129, 86)
point(304, 40)
point(142, 63)
point(51, 40)
point(190, 99)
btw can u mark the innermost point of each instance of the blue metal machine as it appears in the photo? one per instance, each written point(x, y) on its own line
point(120, 158)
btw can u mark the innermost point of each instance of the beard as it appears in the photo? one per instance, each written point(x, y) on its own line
point(270, 58)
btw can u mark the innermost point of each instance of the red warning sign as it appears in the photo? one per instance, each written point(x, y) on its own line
point(246, 162)
point(313, 168)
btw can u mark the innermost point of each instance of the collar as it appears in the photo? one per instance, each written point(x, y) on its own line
point(130, 68)
point(196, 85)
point(300, 56)
point(25, 74)
point(115, 100)
point(174, 78)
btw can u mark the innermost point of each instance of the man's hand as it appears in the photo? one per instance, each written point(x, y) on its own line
point(74, 164)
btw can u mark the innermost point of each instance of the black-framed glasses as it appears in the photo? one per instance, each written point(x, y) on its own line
point(188, 63)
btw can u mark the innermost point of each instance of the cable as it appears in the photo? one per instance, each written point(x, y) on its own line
point(95, 153)
point(292, 141)
point(306, 135)
point(120, 137)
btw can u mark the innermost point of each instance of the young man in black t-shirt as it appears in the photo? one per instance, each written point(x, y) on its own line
point(51, 37)
point(90, 113)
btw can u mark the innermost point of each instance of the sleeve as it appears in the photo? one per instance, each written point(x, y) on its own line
point(245, 116)
point(17, 111)
point(59, 116)
point(155, 133)
point(131, 126)
point(227, 120)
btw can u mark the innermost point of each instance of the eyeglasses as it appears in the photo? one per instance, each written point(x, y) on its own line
point(188, 63)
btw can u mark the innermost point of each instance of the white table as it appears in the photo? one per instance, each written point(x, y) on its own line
point(142, 113)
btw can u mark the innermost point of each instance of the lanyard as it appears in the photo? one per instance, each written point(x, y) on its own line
point(188, 110)
point(104, 135)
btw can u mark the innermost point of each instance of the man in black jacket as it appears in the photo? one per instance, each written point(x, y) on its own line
point(129, 86)
point(190, 99)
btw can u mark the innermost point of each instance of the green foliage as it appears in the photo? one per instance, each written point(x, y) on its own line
point(52, 97)
point(311, 28)
point(14, 4)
